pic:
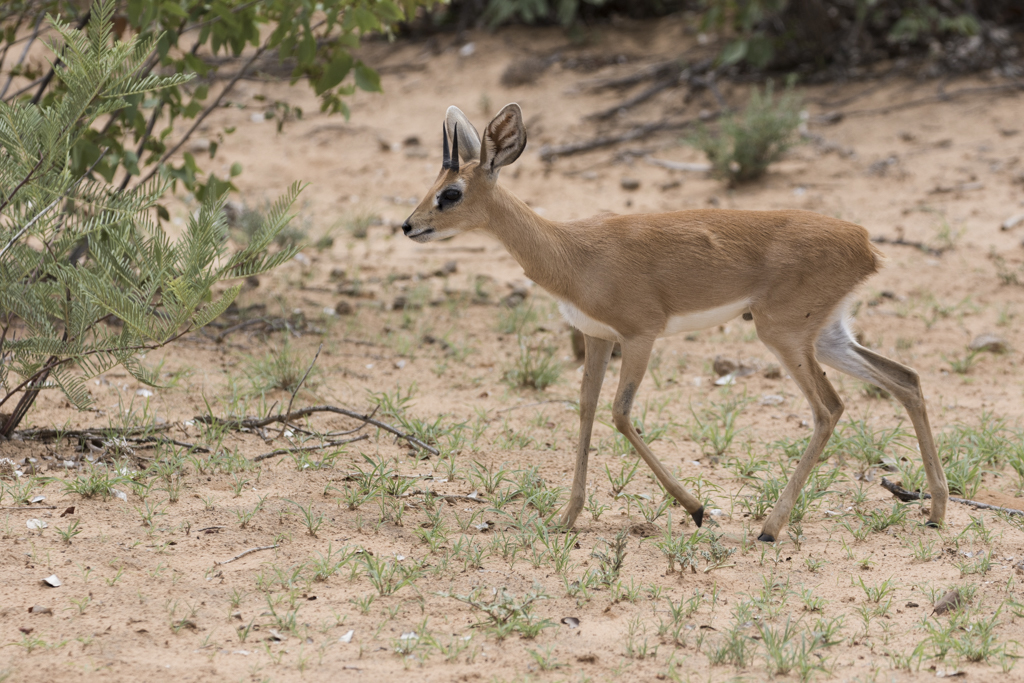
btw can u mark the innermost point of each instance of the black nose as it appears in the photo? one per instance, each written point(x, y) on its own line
point(406, 227)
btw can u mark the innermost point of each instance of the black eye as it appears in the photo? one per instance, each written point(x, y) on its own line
point(448, 197)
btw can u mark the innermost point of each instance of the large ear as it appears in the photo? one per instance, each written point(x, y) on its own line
point(504, 139)
point(469, 139)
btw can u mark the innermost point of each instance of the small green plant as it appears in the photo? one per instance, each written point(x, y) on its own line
point(535, 367)
point(595, 507)
point(747, 143)
point(621, 479)
point(506, 614)
point(67, 534)
point(358, 223)
point(281, 369)
point(961, 364)
point(612, 557)
point(516, 319)
point(99, 482)
point(312, 519)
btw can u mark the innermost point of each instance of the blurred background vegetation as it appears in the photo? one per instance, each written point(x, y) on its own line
point(825, 37)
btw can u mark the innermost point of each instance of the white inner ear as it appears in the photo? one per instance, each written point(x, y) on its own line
point(469, 138)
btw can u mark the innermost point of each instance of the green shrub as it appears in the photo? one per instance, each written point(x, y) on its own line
point(87, 280)
point(747, 143)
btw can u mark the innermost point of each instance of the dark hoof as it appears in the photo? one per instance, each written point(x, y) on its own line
point(698, 516)
point(766, 538)
point(932, 525)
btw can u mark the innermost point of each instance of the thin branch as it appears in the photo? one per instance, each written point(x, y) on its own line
point(152, 118)
point(900, 242)
point(941, 97)
point(57, 62)
point(301, 382)
point(905, 496)
point(640, 97)
point(51, 434)
point(645, 74)
point(92, 352)
point(307, 449)
point(35, 218)
point(566, 401)
point(206, 112)
point(256, 423)
point(550, 152)
point(24, 53)
point(250, 551)
point(444, 496)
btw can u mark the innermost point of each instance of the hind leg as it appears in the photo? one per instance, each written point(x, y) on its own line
point(837, 347)
point(826, 406)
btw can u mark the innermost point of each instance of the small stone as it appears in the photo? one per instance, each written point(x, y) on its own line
point(773, 371)
point(447, 269)
point(1012, 222)
point(399, 303)
point(629, 184)
point(337, 274)
point(989, 342)
point(950, 601)
point(724, 366)
point(772, 400)
point(343, 308)
point(39, 609)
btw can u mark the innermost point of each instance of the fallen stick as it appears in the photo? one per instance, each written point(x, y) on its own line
point(900, 242)
point(549, 152)
point(536, 403)
point(43, 434)
point(678, 165)
point(444, 496)
point(941, 97)
point(306, 449)
point(249, 551)
point(256, 423)
point(645, 74)
point(32, 507)
point(639, 98)
point(906, 496)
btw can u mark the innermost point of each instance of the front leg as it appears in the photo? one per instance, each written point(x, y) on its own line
point(594, 365)
point(636, 353)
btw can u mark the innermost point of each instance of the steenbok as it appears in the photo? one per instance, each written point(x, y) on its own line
point(633, 279)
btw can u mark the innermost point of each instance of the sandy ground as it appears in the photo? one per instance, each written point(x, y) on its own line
point(153, 603)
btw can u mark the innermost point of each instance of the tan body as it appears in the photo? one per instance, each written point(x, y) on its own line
point(635, 278)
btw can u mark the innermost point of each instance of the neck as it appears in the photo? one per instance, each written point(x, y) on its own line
point(540, 246)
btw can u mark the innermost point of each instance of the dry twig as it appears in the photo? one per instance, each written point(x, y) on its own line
point(249, 551)
point(550, 152)
point(256, 423)
point(306, 449)
point(905, 496)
